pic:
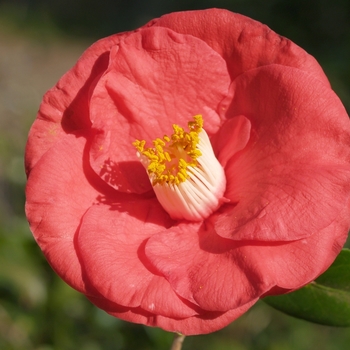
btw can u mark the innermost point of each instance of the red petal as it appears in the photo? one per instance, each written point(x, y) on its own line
point(204, 268)
point(206, 322)
point(152, 82)
point(292, 179)
point(65, 107)
point(244, 43)
point(58, 194)
point(111, 247)
point(296, 264)
point(221, 274)
point(232, 137)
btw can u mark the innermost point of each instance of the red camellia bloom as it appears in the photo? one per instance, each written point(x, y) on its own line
point(180, 172)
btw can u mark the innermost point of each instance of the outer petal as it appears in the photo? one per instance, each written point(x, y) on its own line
point(65, 107)
point(58, 194)
point(292, 179)
point(111, 248)
point(206, 322)
point(204, 268)
point(296, 264)
point(220, 274)
point(244, 43)
point(151, 83)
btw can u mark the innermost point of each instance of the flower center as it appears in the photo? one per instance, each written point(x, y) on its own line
point(187, 179)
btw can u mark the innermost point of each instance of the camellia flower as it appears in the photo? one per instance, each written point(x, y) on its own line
point(180, 172)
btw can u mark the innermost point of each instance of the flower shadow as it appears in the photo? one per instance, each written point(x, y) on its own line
point(77, 114)
point(127, 177)
point(112, 190)
point(118, 182)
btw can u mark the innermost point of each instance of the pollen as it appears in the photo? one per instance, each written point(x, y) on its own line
point(187, 179)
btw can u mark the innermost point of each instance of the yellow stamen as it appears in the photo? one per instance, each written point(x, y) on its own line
point(187, 179)
point(171, 156)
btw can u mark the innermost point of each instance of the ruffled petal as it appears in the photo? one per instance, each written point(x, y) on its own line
point(298, 263)
point(244, 43)
point(204, 268)
point(65, 107)
point(111, 248)
point(292, 179)
point(58, 194)
point(221, 274)
point(204, 323)
point(152, 82)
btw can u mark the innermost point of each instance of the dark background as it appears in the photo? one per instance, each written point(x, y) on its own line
point(39, 41)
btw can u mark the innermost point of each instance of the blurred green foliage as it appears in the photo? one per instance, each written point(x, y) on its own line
point(39, 41)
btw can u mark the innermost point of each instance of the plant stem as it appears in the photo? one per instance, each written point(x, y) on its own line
point(177, 342)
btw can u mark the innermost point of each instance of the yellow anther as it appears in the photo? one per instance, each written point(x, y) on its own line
point(139, 145)
point(167, 156)
point(188, 181)
point(197, 124)
point(171, 156)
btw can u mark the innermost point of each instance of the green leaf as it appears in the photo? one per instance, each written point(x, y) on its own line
point(325, 301)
